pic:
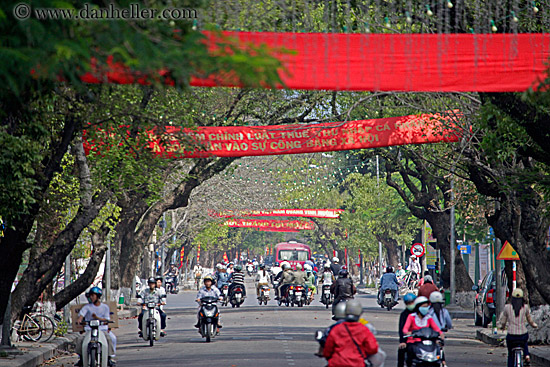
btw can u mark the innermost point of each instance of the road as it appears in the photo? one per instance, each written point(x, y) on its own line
point(274, 336)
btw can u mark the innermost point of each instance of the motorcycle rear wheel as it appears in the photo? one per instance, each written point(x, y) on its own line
point(208, 335)
point(92, 358)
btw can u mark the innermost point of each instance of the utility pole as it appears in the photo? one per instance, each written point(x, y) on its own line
point(162, 246)
point(66, 309)
point(498, 271)
point(453, 248)
point(380, 269)
point(107, 272)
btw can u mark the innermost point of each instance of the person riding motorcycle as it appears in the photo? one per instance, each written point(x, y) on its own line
point(95, 310)
point(173, 270)
point(151, 294)
point(310, 281)
point(238, 279)
point(299, 275)
point(388, 281)
point(343, 289)
point(287, 276)
point(163, 298)
point(208, 290)
point(400, 272)
point(223, 277)
point(414, 267)
point(335, 267)
point(326, 278)
point(262, 278)
point(408, 299)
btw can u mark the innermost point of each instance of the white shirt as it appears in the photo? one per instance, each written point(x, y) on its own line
point(101, 311)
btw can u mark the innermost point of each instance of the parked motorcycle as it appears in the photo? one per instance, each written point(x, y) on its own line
point(95, 348)
point(236, 296)
point(225, 294)
point(427, 352)
point(170, 283)
point(264, 295)
point(326, 296)
point(152, 325)
point(208, 318)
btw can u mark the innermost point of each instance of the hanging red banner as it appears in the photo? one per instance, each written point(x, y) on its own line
point(373, 62)
point(225, 257)
point(198, 253)
point(182, 253)
point(270, 225)
point(308, 213)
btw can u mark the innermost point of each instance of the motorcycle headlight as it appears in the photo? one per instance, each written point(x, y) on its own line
point(151, 305)
point(94, 323)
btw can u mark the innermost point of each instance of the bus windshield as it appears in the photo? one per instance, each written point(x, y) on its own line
point(293, 255)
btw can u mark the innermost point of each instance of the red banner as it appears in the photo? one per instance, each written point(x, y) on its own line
point(388, 62)
point(198, 253)
point(308, 213)
point(182, 253)
point(240, 141)
point(225, 257)
point(270, 225)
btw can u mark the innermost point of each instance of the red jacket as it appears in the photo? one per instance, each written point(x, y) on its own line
point(340, 350)
point(426, 289)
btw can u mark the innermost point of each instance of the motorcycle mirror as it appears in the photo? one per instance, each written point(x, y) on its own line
point(318, 335)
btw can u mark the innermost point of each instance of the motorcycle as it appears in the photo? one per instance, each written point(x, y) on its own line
point(297, 295)
point(326, 296)
point(152, 325)
point(95, 349)
point(388, 299)
point(170, 283)
point(208, 318)
point(264, 295)
point(250, 269)
point(427, 352)
point(236, 297)
point(225, 294)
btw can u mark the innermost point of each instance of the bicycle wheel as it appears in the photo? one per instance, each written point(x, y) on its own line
point(30, 330)
point(47, 326)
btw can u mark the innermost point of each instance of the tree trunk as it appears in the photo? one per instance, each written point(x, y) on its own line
point(83, 282)
point(392, 249)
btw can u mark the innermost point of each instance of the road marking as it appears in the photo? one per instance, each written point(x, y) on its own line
point(241, 338)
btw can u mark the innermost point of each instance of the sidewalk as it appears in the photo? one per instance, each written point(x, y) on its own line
point(539, 353)
point(27, 354)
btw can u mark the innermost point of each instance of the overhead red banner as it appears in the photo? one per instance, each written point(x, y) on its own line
point(309, 213)
point(240, 141)
point(270, 225)
point(386, 62)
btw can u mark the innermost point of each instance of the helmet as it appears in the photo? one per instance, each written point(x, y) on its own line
point(409, 297)
point(353, 310)
point(413, 256)
point(339, 311)
point(343, 272)
point(219, 266)
point(517, 293)
point(172, 264)
point(238, 268)
point(298, 266)
point(151, 280)
point(419, 301)
point(159, 278)
point(208, 277)
point(231, 263)
point(398, 265)
point(335, 259)
point(428, 278)
point(285, 265)
point(389, 269)
point(97, 291)
point(307, 267)
point(326, 266)
point(436, 297)
point(262, 266)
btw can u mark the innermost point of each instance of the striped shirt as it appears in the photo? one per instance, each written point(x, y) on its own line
point(516, 325)
point(238, 277)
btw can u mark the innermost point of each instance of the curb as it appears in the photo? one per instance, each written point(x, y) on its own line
point(539, 354)
point(37, 355)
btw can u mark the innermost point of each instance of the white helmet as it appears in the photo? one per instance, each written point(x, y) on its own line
point(413, 256)
point(285, 263)
point(308, 267)
point(219, 266)
point(335, 259)
point(298, 266)
point(420, 300)
point(436, 297)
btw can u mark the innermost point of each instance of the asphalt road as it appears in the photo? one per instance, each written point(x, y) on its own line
point(274, 336)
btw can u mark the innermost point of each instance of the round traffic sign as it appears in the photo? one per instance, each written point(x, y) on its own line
point(418, 249)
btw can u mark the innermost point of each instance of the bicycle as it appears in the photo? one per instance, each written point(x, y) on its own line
point(197, 282)
point(517, 351)
point(33, 327)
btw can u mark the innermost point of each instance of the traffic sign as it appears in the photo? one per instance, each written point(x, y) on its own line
point(507, 252)
point(465, 249)
point(418, 249)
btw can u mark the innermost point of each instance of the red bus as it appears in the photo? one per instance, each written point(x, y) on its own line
point(293, 252)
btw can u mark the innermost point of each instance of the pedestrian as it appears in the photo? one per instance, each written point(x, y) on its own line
point(409, 309)
point(516, 314)
point(428, 287)
point(349, 343)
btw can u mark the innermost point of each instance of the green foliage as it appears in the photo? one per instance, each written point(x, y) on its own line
point(61, 329)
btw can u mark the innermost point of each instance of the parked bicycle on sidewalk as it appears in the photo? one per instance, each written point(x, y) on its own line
point(33, 326)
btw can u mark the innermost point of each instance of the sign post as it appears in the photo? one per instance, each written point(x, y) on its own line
point(508, 253)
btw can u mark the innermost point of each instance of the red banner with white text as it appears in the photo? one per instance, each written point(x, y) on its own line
point(240, 141)
point(308, 213)
point(270, 224)
point(504, 62)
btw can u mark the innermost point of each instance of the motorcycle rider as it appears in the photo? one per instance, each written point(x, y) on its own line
point(238, 278)
point(95, 310)
point(262, 278)
point(208, 290)
point(409, 309)
point(417, 320)
point(388, 281)
point(326, 278)
point(310, 281)
point(335, 267)
point(173, 270)
point(151, 294)
point(223, 277)
point(230, 268)
point(287, 276)
point(163, 299)
point(414, 267)
point(400, 272)
point(440, 314)
point(349, 343)
point(343, 289)
point(197, 270)
point(428, 287)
